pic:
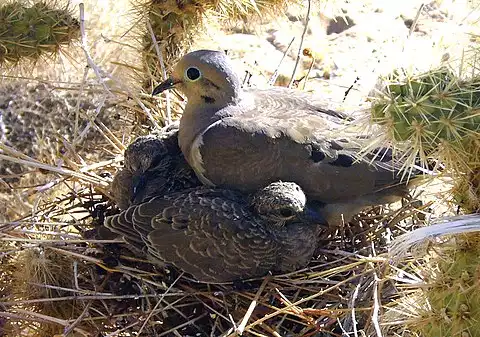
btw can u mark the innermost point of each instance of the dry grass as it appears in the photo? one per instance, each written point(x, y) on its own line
point(62, 274)
point(66, 275)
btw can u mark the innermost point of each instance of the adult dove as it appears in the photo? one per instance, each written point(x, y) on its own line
point(247, 138)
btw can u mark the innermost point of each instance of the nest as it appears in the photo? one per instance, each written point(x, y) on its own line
point(72, 277)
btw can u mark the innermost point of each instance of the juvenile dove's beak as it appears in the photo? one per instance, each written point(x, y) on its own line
point(169, 83)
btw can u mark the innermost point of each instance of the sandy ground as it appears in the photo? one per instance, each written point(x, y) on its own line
point(357, 39)
point(349, 39)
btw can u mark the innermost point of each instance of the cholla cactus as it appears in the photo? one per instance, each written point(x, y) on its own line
point(434, 111)
point(444, 300)
point(453, 290)
point(175, 23)
point(437, 114)
point(30, 31)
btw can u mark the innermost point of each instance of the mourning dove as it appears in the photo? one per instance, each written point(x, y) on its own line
point(154, 165)
point(217, 235)
point(247, 138)
point(220, 235)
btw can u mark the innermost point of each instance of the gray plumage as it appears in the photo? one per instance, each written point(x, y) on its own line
point(217, 235)
point(247, 138)
point(154, 165)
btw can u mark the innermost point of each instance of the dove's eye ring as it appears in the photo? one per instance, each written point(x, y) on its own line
point(193, 74)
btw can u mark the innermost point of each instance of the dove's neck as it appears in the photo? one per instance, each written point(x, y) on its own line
point(196, 118)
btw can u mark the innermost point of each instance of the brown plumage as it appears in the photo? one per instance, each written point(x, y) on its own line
point(217, 235)
point(246, 138)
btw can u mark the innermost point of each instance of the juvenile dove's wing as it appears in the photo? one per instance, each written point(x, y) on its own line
point(216, 235)
point(245, 139)
point(297, 248)
point(211, 234)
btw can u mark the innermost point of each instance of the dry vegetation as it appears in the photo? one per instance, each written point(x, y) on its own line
point(66, 118)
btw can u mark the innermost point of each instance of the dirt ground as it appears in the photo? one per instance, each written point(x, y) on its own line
point(354, 42)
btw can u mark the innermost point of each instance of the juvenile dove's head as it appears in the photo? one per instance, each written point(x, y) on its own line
point(206, 76)
point(279, 202)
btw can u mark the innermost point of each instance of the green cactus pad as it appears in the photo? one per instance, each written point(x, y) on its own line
point(31, 31)
point(436, 115)
point(453, 290)
point(435, 107)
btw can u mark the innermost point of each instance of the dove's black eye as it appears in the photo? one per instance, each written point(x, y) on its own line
point(193, 74)
point(286, 212)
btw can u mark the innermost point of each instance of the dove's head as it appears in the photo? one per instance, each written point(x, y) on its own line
point(282, 203)
point(279, 202)
point(205, 77)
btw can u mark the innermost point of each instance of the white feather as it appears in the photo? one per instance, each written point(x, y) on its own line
point(196, 156)
point(446, 226)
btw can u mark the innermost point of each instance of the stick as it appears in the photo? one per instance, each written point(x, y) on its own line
point(272, 80)
point(300, 47)
point(164, 72)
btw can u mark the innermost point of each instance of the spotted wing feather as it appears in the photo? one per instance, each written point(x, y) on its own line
point(209, 233)
point(277, 134)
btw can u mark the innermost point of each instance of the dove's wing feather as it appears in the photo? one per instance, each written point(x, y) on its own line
point(208, 233)
point(216, 235)
point(246, 138)
point(281, 137)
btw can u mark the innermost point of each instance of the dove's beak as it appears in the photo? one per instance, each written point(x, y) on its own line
point(169, 83)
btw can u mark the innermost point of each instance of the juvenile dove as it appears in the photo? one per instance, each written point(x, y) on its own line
point(247, 138)
point(220, 235)
point(217, 235)
point(153, 166)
